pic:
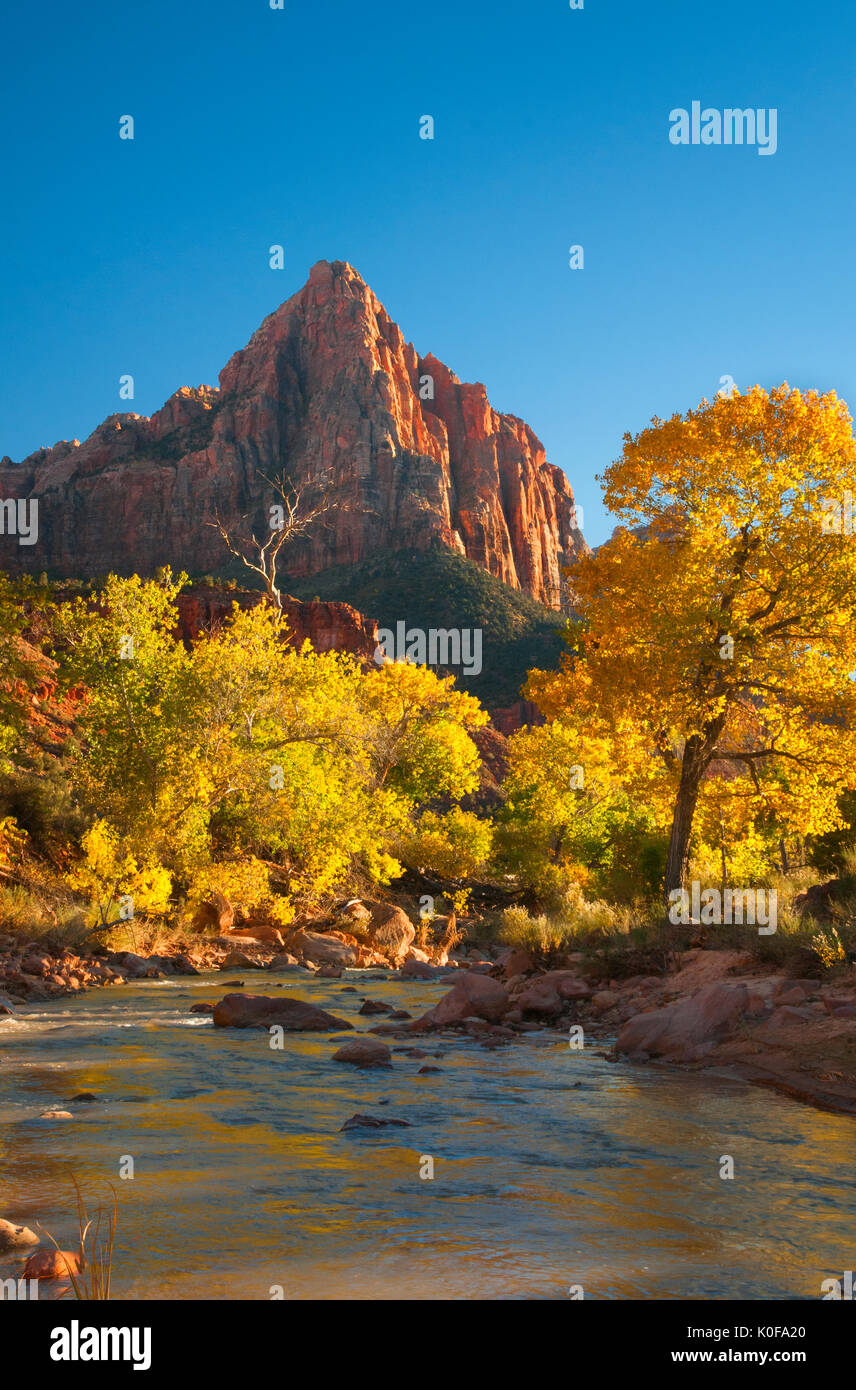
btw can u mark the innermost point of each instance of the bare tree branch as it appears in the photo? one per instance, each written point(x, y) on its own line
point(288, 522)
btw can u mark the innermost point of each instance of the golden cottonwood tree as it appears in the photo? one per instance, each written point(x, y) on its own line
point(243, 752)
point(724, 630)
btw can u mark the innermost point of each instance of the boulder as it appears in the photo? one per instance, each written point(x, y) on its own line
point(14, 1237)
point(37, 989)
point(547, 995)
point(820, 899)
point(136, 967)
point(265, 932)
point(784, 1016)
point(604, 1000)
point(217, 915)
point(51, 1264)
point(686, 1030)
point(515, 961)
point(471, 995)
point(202, 1008)
point(183, 965)
point(795, 994)
point(364, 1052)
point(329, 972)
point(322, 949)
point(391, 930)
point(260, 1011)
point(386, 927)
point(173, 965)
point(37, 965)
point(284, 961)
point(374, 1006)
point(355, 916)
point(237, 960)
point(414, 969)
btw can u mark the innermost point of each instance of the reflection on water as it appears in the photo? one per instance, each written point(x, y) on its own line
point(552, 1167)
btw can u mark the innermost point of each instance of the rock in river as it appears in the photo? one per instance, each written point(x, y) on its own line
point(284, 961)
point(239, 960)
point(364, 1052)
point(51, 1264)
point(471, 996)
point(372, 1122)
point(14, 1237)
point(260, 1011)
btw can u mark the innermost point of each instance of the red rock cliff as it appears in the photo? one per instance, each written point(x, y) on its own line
point(327, 390)
point(329, 627)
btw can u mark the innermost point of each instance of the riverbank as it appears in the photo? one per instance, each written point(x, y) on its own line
point(714, 1011)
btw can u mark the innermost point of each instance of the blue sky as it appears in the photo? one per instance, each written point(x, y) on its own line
point(300, 127)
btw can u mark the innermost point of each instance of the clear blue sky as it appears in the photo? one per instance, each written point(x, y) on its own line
point(300, 126)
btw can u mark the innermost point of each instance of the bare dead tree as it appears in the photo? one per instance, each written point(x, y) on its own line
point(289, 520)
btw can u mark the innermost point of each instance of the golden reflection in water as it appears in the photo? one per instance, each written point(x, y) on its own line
point(551, 1167)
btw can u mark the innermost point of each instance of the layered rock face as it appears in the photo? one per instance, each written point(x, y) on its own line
point(329, 627)
point(327, 391)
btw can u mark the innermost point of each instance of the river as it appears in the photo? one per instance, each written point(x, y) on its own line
point(553, 1168)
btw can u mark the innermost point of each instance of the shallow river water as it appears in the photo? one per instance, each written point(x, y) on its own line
point(552, 1167)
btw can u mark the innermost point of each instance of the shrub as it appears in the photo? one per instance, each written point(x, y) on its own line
point(26, 914)
point(519, 928)
point(455, 845)
point(41, 803)
point(12, 838)
point(828, 948)
point(21, 913)
point(580, 922)
point(109, 873)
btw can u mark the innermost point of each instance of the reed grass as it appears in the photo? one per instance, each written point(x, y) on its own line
point(96, 1240)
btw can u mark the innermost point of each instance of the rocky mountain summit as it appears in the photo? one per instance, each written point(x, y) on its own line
point(327, 391)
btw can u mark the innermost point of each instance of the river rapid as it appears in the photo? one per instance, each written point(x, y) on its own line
point(553, 1168)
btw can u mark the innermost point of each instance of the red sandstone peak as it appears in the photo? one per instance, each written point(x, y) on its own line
point(327, 390)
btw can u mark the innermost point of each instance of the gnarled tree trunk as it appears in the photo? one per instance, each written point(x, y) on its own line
point(698, 752)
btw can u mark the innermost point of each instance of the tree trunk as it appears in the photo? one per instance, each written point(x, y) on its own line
point(783, 850)
point(693, 768)
point(723, 854)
